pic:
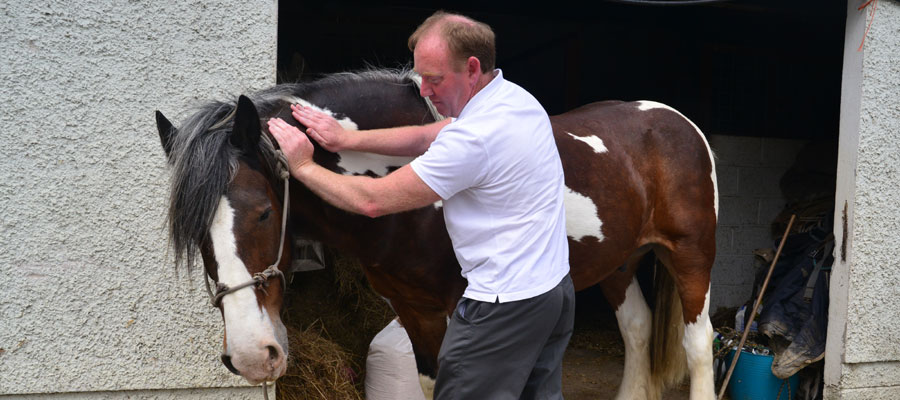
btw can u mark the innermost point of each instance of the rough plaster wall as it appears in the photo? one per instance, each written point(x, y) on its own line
point(748, 170)
point(89, 300)
point(863, 351)
point(872, 333)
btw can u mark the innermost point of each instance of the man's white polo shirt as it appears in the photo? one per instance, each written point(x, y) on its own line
point(498, 171)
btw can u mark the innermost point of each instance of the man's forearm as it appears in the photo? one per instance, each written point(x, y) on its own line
point(399, 141)
point(346, 192)
point(400, 190)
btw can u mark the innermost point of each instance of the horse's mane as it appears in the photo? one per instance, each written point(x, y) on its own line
point(204, 161)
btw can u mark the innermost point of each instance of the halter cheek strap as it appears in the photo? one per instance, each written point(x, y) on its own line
point(261, 279)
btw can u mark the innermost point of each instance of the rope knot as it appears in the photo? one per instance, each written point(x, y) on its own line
point(283, 169)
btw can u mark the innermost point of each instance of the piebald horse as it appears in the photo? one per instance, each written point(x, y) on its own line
point(640, 179)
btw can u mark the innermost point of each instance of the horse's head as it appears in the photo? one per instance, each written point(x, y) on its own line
point(226, 203)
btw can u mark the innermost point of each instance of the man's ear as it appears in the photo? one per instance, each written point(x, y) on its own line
point(473, 68)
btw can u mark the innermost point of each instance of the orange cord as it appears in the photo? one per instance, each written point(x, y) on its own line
point(874, 4)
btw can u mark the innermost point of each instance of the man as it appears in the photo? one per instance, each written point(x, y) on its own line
point(497, 170)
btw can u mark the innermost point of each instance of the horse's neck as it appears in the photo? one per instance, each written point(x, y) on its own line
point(376, 104)
point(353, 233)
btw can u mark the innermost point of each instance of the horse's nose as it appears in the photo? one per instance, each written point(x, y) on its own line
point(226, 359)
point(275, 358)
point(273, 353)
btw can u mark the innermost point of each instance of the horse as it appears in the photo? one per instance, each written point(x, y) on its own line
point(640, 182)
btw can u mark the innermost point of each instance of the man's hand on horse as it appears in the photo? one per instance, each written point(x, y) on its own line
point(323, 128)
point(297, 148)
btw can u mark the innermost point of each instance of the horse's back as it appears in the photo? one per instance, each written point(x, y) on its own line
point(638, 144)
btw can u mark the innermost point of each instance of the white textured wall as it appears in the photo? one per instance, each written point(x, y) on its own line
point(89, 301)
point(863, 354)
point(749, 170)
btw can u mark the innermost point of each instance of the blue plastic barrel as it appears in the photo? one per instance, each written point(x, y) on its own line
point(753, 379)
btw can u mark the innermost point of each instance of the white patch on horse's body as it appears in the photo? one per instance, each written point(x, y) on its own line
point(595, 142)
point(645, 105)
point(582, 219)
point(635, 324)
point(345, 122)
point(698, 339)
point(427, 384)
point(248, 328)
point(357, 163)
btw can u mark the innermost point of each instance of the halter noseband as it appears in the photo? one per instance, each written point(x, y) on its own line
point(261, 279)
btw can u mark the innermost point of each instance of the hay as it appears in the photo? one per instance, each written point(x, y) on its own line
point(354, 288)
point(331, 316)
point(318, 368)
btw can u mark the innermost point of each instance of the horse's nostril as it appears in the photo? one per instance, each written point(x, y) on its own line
point(273, 353)
point(226, 359)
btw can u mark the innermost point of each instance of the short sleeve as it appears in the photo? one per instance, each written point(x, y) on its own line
point(455, 161)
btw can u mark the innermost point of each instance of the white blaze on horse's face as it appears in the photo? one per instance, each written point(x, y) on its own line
point(645, 105)
point(255, 342)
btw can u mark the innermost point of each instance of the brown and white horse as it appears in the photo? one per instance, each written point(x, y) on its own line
point(640, 178)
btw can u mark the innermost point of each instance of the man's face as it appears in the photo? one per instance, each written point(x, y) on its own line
point(444, 81)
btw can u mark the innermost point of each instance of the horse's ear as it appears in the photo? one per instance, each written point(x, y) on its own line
point(245, 135)
point(166, 132)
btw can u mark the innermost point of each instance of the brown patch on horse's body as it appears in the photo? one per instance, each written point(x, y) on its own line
point(652, 190)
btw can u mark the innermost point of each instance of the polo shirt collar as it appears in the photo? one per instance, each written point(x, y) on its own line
point(484, 93)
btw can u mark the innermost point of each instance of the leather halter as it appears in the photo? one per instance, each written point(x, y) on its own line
point(260, 280)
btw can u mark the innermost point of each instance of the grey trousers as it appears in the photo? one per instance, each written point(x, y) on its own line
point(513, 350)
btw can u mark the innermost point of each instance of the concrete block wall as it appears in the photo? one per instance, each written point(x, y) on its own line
point(749, 170)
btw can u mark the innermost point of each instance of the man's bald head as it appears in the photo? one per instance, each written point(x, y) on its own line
point(465, 37)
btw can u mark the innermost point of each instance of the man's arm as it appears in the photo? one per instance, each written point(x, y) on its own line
point(400, 141)
point(399, 191)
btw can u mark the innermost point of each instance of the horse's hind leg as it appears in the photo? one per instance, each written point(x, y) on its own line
point(635, 325)
point(690, 266)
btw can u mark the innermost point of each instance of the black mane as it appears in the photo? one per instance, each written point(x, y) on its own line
point(204, 161)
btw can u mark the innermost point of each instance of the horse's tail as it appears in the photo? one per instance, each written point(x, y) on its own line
point(668, 362)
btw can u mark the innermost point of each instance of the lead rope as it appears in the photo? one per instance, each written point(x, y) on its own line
point(285, 174)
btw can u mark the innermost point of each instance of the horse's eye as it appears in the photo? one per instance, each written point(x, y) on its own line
point(265, 215)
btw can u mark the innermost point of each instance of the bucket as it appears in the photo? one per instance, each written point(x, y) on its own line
point(752, 379)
